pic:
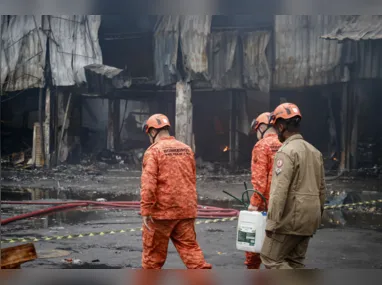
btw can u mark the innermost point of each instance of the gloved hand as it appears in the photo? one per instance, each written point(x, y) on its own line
point(252, 208)
point(146, 220)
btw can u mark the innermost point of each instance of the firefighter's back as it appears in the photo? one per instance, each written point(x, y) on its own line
point(176, 196)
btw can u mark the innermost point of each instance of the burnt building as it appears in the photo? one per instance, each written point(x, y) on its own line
point(87, 83)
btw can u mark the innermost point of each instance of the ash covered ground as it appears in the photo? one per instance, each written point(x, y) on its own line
point(347, 238)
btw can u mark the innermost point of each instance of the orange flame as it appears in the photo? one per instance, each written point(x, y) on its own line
point(226, 149)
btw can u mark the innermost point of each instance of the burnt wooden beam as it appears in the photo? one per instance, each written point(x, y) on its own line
point(116, 122)
point(63, 129)
point(344, 123)
point(13, 257)
point(47, 129)
point(113, 124)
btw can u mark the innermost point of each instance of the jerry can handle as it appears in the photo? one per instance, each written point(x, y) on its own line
point(257, 192)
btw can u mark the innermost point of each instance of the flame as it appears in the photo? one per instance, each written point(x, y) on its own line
point(335, 159)
point(226, 149)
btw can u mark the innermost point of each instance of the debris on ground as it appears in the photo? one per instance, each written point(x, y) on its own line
point(132, 158)
point(210, 168)
point(56, 228)
point(72, 261)
point(13, 257)
point(18, 158)
point(21, 159)
point(336, 197)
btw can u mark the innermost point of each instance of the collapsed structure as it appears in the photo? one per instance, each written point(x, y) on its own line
point(74, 84)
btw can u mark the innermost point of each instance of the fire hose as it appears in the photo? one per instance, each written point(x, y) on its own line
point(246, 202)
point(206, 212)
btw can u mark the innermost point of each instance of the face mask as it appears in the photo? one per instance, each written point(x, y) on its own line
point(258, 135)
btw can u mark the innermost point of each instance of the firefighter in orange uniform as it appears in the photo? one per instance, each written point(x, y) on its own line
point(261, 168)
point(168, 198)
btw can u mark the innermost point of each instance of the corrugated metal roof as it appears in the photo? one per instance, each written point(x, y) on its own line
point(362, 27)
point(256, 73)
point(74, 45)
point(302, 58)
point(224, 64)
point(23, 53)
point(367, 56)
point(217, 57)
point(365, 48)
point(166, 40)
point(194, 32)
point(103, 78)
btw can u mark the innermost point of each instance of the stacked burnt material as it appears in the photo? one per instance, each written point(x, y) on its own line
point(131, 158)
point(103, 79)
point(369, 158)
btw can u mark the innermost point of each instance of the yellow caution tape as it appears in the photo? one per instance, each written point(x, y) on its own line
point(112, 232)
point(353, 204)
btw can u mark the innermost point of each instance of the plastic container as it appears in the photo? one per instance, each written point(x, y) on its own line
point(251, 231)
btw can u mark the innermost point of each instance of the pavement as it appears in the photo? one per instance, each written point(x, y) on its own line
point(347, 239)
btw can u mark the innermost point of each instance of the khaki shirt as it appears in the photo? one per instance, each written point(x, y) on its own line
point(297, 189)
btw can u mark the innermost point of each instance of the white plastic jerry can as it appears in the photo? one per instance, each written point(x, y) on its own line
point(251, 231)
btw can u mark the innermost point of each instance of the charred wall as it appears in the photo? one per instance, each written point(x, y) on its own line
point(135, 107)
point(314, 109)
point(17, 118)
point(127, 43)
point(212, 113)
point(211, 125)
point(370, 124)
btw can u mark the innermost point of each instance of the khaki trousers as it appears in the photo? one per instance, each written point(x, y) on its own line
point(281, 251)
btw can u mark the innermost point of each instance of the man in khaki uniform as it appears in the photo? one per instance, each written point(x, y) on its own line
point(297, 194)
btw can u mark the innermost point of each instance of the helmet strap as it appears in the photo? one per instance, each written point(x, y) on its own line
point(154, 137)
point(263, 133)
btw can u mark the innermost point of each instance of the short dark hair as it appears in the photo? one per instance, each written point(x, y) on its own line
point(292, 125)
point(166, 128)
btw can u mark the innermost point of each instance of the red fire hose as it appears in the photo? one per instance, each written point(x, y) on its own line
point(203, 211)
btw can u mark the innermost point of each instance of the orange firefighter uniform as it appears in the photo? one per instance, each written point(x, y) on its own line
point(261, 176)
point(168, 196)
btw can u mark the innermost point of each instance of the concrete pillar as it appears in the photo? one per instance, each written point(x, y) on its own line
point(183, 114)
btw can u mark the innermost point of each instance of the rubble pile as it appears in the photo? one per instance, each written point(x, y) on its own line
point(205, 168)
point(132, 159)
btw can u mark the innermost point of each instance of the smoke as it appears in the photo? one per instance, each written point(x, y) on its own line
point(194, 7)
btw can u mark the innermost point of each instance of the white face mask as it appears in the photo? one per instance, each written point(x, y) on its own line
point(261, 131)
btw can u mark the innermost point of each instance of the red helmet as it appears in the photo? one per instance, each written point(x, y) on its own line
point(285, 111)
point(157, 121)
